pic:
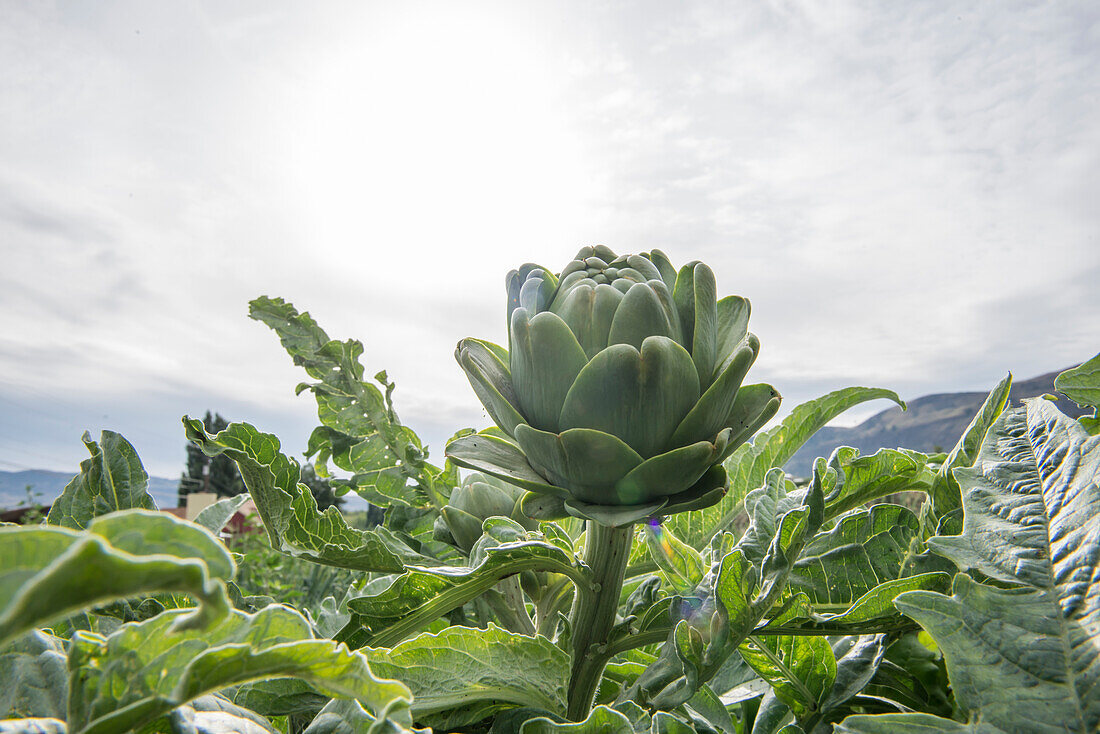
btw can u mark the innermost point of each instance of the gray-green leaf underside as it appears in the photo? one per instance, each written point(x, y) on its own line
point(33, 679)
point(1024, 658)
point(347, 716)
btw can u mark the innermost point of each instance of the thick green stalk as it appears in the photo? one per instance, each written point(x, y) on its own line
point(593, 615)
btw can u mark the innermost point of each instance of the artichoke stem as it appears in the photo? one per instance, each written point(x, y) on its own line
point(593, 615)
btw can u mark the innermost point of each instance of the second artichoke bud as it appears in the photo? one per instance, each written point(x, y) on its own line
point(478, 498)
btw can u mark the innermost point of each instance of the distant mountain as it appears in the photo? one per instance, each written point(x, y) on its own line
point(932, 422)
point(48, 485)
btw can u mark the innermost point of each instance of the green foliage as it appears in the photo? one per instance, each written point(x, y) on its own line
point(834, 608)
point(421, 595)
point(462, 675)
point(142, 671)
point(1025, 657)
point(50, 572)
point(264, 571)
point(945, 494)
point(37, 683)
point(359, 430)
point(324, 494)
point(289, 513)
point(748, 465)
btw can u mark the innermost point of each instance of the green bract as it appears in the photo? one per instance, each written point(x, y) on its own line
point(621, 387)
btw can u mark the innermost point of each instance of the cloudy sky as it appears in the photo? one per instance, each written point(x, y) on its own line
point(907, 192)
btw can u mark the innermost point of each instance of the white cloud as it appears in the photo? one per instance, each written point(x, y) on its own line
point(906, 194)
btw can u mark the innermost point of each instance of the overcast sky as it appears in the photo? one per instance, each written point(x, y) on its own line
point(909, 193)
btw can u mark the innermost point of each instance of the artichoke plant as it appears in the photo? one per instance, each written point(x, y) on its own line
point(620, 392)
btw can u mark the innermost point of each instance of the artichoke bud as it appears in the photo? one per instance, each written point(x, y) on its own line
point(441, 531)
point(464, 527)
point(621, 385)
point(478, 498)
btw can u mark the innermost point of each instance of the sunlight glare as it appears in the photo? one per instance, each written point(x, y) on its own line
point(437, 136)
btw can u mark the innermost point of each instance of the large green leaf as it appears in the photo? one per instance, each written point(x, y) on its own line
point(137, 674)
point(289, 511)
point(421, 595)
point(911, 724)
point(877, 604)
point(50, 572)
point(625, 718)
point(347, 716)
point(211, 714)
point(111, 479)
point(864, 549)
point(463, 675)
point(601, 720)
point(33, 680)
point(748, 465)
point(1024, 659)
point(277, 697)
point(1032, 505)
point(360, 429)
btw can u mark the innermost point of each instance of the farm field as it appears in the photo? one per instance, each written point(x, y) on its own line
point(614, 576)
point(574, 367)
